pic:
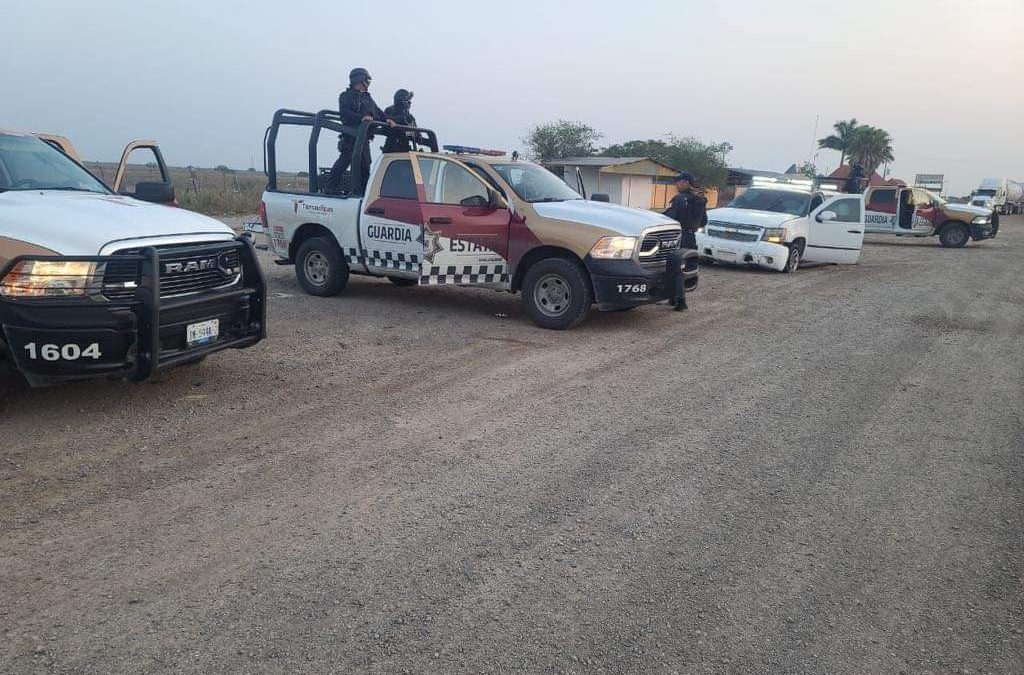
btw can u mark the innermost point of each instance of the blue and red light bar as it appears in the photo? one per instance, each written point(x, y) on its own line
point(468, 150)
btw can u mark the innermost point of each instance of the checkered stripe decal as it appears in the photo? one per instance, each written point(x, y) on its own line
point(409, 262)
point(466, 274)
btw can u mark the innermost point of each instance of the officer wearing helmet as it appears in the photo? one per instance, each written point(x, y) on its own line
point(355, 106)
point(399, 112)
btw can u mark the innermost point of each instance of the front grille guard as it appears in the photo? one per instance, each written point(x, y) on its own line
point(145, 304)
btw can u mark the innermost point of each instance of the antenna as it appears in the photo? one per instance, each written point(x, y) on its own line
point(812, 156)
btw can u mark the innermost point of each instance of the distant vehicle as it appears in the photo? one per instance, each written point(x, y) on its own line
point(95, 283)
point(915, 212)
point(779, 226)
point(470, 217)
point(1001, 195)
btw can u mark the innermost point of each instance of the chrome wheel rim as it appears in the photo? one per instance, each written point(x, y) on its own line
point(317, 268)
point(552, 296)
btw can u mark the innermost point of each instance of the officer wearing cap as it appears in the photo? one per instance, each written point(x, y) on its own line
point(689, 209)
point(399, 112)
point(355, 106)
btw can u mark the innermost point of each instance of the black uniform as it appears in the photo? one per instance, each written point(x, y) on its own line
point(353, 105)
point(403, 118)
point(689, 209)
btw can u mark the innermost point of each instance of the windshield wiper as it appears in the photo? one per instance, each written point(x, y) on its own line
point(71, 189)
point(548, 199)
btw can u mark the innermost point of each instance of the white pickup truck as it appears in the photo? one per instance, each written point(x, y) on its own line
point(97, 283)
point(779, 226)
point(471, 218)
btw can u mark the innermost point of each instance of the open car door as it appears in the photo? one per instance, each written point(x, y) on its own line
point(836, 231)
point(152, 180)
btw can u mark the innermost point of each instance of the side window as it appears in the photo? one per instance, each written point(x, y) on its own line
point(398, 181)
point(450, 183)
point(882, 200)
point(816, 201)
point(846, 210)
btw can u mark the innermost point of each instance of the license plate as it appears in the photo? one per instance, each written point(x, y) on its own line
point(202, 333)
point(725, 254)
point(256, 227)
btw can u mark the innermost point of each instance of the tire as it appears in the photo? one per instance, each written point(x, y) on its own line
point(954, 235)
point(793, 261)
point(320, 267)
point(556, 293)
point(402, 282)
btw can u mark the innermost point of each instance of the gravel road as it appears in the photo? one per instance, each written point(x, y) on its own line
point(818, 473)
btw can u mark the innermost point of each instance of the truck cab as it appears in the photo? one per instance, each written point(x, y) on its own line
point(915, 212)
point(472, 218)
point(780, 226)
point(97, 283)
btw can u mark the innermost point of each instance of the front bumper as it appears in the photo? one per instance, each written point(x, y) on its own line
point(980, 232)
point(756, 253)
point(619, 284)
point(52, 341)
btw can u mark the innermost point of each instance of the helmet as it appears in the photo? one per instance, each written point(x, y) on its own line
point(359, 75)
point(403, 96)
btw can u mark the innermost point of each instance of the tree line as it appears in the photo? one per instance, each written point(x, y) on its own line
point(862, 144)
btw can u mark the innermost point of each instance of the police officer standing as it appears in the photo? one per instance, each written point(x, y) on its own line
point(400, 113)
point(689, 209)
point(355, 106)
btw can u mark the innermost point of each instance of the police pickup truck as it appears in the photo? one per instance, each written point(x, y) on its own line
point(117, 282)
point(779, 226)
point(469, 218)
point(916, 212)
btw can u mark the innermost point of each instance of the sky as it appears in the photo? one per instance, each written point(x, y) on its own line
point(203, 77)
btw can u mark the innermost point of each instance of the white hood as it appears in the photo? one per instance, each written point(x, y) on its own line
point(619, 219)
point(750, 217)
point(82, 223)
point(969, 210)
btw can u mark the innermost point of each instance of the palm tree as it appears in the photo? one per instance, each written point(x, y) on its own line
point(870, 147)
point(840, 140)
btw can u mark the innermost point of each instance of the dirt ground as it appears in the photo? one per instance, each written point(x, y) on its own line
point(818, 473)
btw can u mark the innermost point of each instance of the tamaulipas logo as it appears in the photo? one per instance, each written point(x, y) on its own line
point(310, 208)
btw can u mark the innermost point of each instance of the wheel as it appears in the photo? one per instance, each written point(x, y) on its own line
point(320, 267)
point(954, 235)
point(793, 261)
point(556, 293)
point(402, 282)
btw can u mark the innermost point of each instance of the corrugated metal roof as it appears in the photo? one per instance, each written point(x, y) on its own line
point(597, 161)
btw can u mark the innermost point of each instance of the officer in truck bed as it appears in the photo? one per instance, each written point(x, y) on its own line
point(400, 113)
point(355, 106)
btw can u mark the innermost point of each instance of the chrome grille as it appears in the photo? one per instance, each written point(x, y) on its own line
point(183, 270)
point(655, 247)
point(717, 229)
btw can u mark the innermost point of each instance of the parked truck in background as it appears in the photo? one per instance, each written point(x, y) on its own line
point(1001, 195)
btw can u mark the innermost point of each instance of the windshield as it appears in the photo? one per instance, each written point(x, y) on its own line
point(27, 163)
point(986, 193)
point(776, 201)
point(535, 183)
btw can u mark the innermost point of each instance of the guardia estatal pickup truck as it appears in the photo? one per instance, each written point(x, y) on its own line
point(469, 218)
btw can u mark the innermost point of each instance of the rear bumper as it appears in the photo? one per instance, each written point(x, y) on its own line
point(55, 341)
point(619, 284)
point(757, 253)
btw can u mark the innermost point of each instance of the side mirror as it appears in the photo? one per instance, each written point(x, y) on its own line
point(599, 197)
point(474, 201)
point(827, 217)
point(158, 193)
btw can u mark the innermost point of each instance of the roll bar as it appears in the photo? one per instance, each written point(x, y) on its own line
point(331, 120)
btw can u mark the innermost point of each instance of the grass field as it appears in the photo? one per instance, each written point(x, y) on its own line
point(218, 191)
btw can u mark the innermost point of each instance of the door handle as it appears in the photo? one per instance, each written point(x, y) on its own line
point(375, 211)
point(854, 231)
point(440, 220)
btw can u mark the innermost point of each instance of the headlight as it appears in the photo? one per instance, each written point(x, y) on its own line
point(776, 235)
point(48, 279)
point(616, 248)
point(980, 220)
